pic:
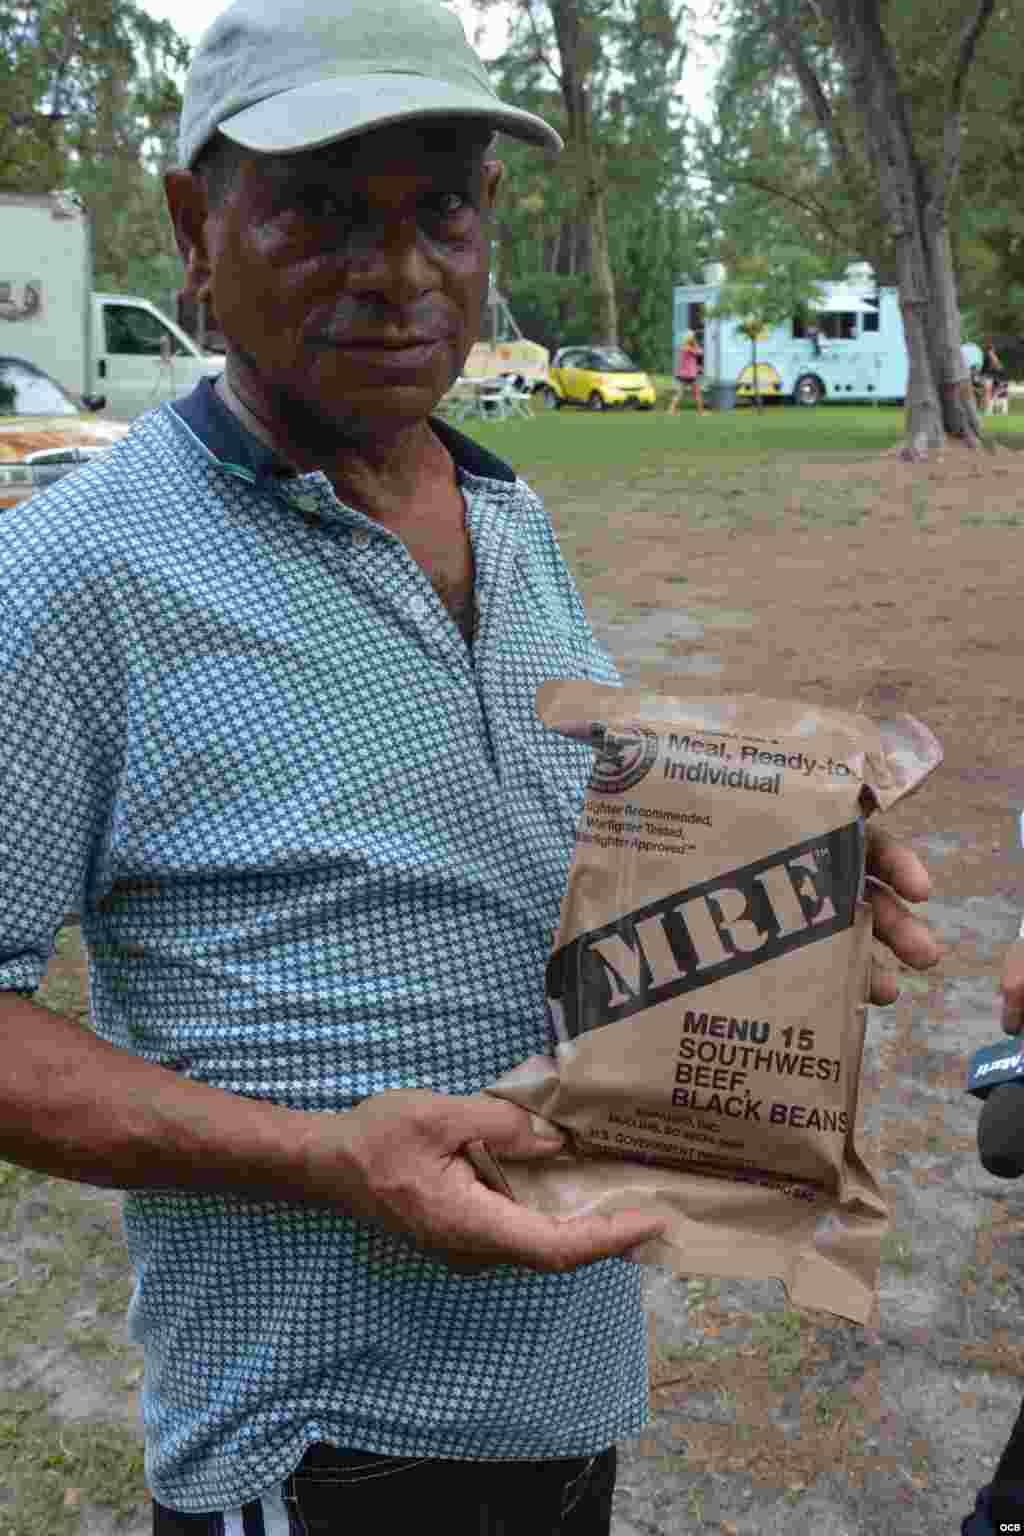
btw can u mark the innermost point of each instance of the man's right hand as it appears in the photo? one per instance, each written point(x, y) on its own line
point(1011, 985)
point(403, 1167)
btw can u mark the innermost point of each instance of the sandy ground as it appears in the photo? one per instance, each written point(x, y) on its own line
point(884, 587)
point(875, 585)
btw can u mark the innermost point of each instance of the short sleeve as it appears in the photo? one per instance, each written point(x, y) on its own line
point(52, 797)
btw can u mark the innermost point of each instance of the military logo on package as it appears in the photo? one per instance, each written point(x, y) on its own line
point(623, 757)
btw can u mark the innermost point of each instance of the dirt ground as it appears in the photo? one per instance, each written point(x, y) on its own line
point(885, 587)
point(875, 585)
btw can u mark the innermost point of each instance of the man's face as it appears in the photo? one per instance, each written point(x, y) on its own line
point(349, 281)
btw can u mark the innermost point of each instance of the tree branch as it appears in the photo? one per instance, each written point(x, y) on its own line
point(969, 39)
point(541, 55)
point(952, 131)
point(788, 38)
point(815, 209)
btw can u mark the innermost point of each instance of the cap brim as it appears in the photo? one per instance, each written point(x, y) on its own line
point(328, 111)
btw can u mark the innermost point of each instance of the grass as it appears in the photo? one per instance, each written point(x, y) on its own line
point(63, 1297)
point(70, 1280)
point(830, 1406)
point(897, 1251)
point(778, 1333)
point(628, 445)
point(64, 1290)
point(53, 1470)
point(61, 990)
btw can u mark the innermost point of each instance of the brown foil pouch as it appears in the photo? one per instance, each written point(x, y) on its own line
point(709, 981)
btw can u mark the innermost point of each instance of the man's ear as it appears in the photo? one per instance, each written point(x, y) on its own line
point(494, 172)
point(186, 204)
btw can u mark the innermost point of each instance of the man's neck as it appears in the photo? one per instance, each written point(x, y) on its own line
point(383, 480)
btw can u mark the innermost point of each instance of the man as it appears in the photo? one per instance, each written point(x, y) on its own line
point(268, 682)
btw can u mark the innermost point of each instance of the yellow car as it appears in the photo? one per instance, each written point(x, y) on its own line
point(597, 377)
point(769, 382)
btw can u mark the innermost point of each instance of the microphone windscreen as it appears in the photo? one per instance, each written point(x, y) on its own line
point(1001, 1132)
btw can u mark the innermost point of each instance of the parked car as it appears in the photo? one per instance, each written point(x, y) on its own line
point(597, 377)
point(44, 435)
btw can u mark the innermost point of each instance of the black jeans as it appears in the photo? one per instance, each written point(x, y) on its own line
point(353, 1493)
point(999, 1506)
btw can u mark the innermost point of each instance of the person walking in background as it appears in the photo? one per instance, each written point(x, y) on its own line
point(687, 374)
point(992, 375)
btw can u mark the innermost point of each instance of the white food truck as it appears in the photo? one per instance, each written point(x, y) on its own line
point(109, 347)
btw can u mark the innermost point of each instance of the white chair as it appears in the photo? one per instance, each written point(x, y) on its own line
point(508, 396)
point(490, 399)
point(460, 400)
point(519, 395)
point(492, 402)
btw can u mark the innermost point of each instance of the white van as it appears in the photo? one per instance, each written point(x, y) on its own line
point(113, 348)
point(141, 356)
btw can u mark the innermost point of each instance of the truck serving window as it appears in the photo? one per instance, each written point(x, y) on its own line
point(841, 325)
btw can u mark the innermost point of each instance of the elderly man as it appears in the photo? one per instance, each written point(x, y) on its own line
point(267, 678)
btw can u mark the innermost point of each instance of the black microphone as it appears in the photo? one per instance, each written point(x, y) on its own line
point(1001, 1132)
point(997, 1076)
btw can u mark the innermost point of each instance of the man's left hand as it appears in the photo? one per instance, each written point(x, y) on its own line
point(896, 875)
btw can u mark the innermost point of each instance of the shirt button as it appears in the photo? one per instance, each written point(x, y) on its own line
point(360, 538)
point(417, 607)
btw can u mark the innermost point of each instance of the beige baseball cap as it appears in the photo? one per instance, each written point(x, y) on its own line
point(278, 76)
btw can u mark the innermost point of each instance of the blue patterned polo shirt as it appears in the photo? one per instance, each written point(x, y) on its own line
point(319, 845)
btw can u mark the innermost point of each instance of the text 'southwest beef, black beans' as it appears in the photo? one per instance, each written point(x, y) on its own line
point(709, 981)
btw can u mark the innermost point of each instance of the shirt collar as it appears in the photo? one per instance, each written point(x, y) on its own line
point(234, 446)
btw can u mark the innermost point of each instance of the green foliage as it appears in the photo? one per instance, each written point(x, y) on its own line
point(771, 172)
point(133, 242)
point(630, 53)
point(555, 311)
point(559, 311)
point(774, 177)
point(89, 100)
point(768, 289)
point(647, 245)
point(83, 80)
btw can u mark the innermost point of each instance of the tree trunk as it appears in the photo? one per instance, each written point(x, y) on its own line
point(959, 407)
point(902, 179)
point(602, 279)
point(575, 47)
point(914, 204)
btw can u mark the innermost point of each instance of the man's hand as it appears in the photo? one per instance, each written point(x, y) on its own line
point(1011, 986)
point(404, 1168)
point(896, 872)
